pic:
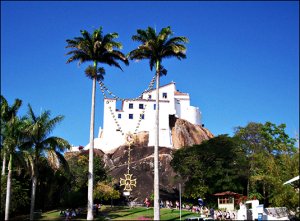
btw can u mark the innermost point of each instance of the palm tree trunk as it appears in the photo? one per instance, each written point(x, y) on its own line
point(156, 155)
point(90, 215)
point(33, 193)
point(3, 164)
point(8, 188)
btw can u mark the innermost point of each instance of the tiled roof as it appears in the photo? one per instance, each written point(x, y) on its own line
point(179, 93)
point(226, 193)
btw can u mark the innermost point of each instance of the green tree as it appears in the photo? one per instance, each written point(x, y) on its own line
point(77, 190)
point(19, 193)
point(39, 145)
point(105, 190)
point(96, 48)
point(156, 47)
point(270, 153)
point(214, 166)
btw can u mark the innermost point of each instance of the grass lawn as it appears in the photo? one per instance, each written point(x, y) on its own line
point(122, 213)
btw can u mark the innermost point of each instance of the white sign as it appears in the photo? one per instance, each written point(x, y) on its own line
point(126, 193)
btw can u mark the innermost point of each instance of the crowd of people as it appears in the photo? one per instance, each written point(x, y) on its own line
point(69, 213)
point(203, 210)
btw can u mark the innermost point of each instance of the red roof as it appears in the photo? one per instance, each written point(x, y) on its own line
point(228, 193)
point(179, 93)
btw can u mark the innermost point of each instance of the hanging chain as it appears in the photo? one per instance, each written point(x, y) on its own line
point(104, 89)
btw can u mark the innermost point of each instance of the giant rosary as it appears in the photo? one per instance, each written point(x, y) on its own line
point(128, 182)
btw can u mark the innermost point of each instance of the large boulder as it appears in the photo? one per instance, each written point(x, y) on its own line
point(185, 133)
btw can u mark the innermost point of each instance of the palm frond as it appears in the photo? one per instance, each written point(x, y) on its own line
point(164, 34)
point(91, 72)
point(29, 161)
point(151, 33)
point(78, 56)
point(179, 39)
point(8, 112)
point(141, 36)
point(30, 114)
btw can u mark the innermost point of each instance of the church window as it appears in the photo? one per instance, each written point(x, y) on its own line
point(141, 106)
point(130, 105)
point(130, 116)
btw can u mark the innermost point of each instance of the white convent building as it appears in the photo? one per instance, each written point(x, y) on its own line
point(171, 102)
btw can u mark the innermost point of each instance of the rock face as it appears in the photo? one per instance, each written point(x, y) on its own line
point(142, 169)
point(183, 134)
point(186, 134)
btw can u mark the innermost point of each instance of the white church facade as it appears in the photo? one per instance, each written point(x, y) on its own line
point(138, 115)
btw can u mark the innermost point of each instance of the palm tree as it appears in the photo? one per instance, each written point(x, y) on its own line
point(11, 130)
point(96, 48)
point(7, 113)
point(156, 47)
point(13, 139)
point(39, 144)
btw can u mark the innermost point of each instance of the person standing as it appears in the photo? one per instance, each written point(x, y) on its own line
point(212, 213)
point(147, 202)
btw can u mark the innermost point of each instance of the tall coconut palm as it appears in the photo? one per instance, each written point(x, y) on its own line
point(11, 130)
point(156, 47)
point(40, 144)
point(96, 48)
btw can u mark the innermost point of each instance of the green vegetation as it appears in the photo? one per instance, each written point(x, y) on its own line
point(255, 162)
point(216, 165)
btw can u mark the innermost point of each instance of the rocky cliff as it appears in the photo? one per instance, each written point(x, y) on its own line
point(186, 134)
point(183, 134)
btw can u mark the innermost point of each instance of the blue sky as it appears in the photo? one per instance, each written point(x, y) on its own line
point(242, 59)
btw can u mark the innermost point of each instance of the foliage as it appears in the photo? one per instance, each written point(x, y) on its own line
point(105, 190)
point(216, 165)
point(39, 143)
point(158, 46)
point(19, 192)
point(39, 146)
point(79, 171)
point(76, 193)
point(273, 159)
point(98, 48)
